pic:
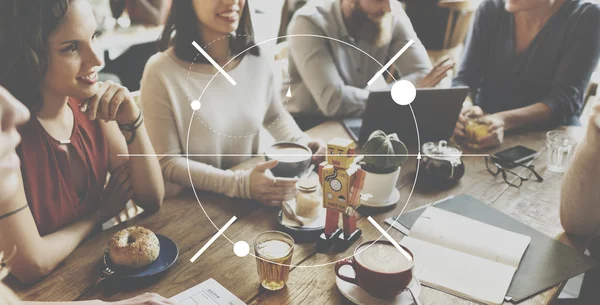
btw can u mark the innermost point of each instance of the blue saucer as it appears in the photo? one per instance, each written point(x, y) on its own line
point(166, 258)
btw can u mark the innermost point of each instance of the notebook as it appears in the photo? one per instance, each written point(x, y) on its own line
point(464, 257)
point(547, 262)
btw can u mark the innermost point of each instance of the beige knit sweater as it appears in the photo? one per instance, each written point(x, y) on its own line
point(230, 121)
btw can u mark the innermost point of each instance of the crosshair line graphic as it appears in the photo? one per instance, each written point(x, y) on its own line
point(386, 235)
point(212, 240)
point(214, 63)
point(187, 142)
point(386, 66)
point(296, 155)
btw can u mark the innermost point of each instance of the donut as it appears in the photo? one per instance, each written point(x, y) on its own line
point(134, 247)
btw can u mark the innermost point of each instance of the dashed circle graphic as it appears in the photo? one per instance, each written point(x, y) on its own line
point(240, 246)
point(196, 102)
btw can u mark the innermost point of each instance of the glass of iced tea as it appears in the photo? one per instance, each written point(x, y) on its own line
point(273, 251)
point(477, 129)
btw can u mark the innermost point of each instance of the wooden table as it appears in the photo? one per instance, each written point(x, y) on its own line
point(183, 220)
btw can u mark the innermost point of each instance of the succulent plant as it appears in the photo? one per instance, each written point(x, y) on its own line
point(382, 153)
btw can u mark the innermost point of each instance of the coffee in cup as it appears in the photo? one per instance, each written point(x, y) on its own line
point(294, 159)
point(381, 270)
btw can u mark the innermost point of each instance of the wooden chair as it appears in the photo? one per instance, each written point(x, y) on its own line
point(285, 20)
point(459, 21)
point(458, 25)
point(282, 61)
point(594, 83)
point(587, 109)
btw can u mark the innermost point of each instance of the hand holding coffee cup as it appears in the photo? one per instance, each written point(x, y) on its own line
point(269, 190)
point(380, 269)
point(319, 149)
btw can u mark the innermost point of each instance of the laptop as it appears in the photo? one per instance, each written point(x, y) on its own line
point(436, 112)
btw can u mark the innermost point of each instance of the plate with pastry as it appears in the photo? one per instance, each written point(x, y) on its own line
point(137, 252)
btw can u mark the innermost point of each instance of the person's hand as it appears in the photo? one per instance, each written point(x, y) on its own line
point(269, 190)
point(436, 75)
point(117, 193)
point(318, 148)
point(461, 124)
point(112, 102)
point(495, 135)
point(145, 299)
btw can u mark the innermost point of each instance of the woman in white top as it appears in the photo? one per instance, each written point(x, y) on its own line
point(231, 117)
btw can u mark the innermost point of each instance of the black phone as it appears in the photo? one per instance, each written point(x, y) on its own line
point(515, 155)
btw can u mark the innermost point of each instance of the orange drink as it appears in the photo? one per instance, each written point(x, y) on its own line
point(477, 129)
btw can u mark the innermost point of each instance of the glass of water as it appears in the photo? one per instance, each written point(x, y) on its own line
point(560, 150)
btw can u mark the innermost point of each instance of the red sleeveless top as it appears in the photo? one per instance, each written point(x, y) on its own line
point(49, 188)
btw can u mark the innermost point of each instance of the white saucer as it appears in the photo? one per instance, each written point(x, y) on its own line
point(394, 198)
point(360, 297)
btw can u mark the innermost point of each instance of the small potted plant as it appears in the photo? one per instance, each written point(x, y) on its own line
point(383, 158)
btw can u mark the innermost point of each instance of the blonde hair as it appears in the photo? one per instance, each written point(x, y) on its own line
point(7, 297)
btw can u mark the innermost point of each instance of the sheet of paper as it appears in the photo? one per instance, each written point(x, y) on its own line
point(209, 292)
point(460, 274)
point(464, 234)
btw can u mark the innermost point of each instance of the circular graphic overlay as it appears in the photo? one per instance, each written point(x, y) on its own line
point(196, 105)
point(403, 92)
point(241, 248)
point(195, 102)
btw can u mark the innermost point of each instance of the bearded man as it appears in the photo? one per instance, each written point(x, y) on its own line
point(329, 75)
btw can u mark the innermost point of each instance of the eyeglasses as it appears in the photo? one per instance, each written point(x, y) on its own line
point(511, 178)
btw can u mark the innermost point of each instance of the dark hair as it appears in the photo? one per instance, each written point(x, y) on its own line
point(182, 28)
point(24, 30)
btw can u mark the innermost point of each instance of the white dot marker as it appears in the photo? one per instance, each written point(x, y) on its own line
point(241, 248)
point(403, 92)
point(196, 105)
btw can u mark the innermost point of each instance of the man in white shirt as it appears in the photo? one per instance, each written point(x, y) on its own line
point(328, 75)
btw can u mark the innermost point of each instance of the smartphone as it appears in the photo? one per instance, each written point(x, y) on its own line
point(515, 155)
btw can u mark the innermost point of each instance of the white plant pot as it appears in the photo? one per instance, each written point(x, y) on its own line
point(379, 187)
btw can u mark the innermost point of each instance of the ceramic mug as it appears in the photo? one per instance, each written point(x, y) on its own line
point(294, 159)
point(378, 188)
point(380, 269)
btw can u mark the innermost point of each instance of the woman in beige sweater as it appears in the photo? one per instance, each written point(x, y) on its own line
point(225, 130)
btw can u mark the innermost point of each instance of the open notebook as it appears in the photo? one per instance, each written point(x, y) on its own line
point(464, 257)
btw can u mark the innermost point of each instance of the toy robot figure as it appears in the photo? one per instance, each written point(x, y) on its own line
point(342, 181)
